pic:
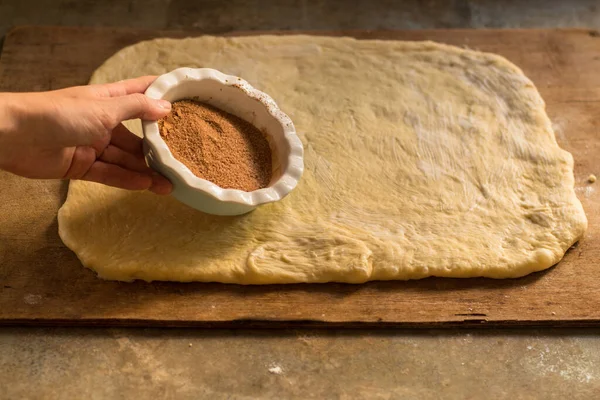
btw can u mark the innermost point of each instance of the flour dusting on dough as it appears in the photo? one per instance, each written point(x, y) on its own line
point(421, 160)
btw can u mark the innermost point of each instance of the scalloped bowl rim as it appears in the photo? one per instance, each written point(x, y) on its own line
point(295, 159)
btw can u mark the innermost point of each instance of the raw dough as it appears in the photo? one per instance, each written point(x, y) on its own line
point(421, 159)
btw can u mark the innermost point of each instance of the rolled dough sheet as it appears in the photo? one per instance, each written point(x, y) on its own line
point(421, 160)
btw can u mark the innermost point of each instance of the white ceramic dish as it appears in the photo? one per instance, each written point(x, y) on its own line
point(236, 96)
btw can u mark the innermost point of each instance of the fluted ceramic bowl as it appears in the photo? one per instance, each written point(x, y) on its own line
point(233, 95)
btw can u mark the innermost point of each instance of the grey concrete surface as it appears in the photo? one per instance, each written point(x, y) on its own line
point(65, 363)
point(306, 364)
point(220, 16)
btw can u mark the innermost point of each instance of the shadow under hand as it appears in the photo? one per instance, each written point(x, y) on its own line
point(152, 231)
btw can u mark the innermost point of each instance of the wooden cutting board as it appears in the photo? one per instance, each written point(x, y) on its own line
point(42, 282)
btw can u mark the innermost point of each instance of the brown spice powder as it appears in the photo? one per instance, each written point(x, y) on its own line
point(217, 146)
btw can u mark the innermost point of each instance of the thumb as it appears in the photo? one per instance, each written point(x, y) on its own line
point(139, 106)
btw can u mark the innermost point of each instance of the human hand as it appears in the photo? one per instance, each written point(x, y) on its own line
point(76, 133)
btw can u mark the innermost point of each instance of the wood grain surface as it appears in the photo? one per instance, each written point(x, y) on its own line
point(42, 282)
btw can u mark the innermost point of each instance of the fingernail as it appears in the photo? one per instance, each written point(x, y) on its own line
point(164, 104)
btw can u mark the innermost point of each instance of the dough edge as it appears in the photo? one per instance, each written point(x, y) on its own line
point(541, 259)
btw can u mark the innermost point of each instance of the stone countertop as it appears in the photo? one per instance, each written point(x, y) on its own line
point(98, 363)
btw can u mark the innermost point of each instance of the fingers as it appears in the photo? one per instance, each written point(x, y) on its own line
point(81, 160)
point(134, 162)
point(114, 175)
point(130, 102)
point(123, 88)
point(138, 106)
point(126, 140)
point(160, 184)
point(120, 164)
point(127, 153)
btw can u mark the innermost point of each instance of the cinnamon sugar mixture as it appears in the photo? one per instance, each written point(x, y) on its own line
point(217, 146)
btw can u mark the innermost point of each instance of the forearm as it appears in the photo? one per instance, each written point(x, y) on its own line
point(9, 127)
point(26, 128)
